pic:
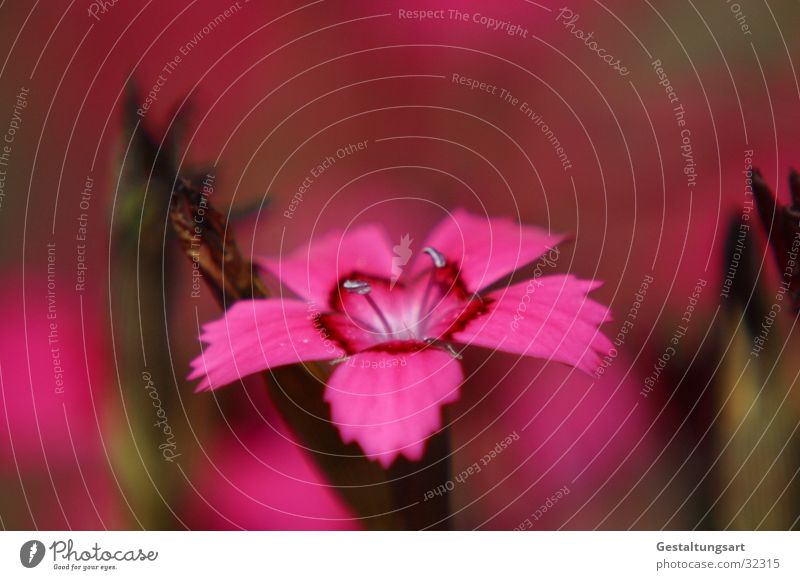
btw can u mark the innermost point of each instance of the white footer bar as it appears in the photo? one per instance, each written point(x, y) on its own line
point(401, 555)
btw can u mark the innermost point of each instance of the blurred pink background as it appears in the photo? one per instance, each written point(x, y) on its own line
point(265, 95)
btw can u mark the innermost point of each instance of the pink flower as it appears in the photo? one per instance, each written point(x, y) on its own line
point(395, 343)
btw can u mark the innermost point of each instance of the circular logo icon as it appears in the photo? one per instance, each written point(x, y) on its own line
point(31, 553)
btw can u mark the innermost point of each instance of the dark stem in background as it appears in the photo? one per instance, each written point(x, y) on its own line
point(140, 277)
point(756, 441)
point(392, 499)
point(782, 225)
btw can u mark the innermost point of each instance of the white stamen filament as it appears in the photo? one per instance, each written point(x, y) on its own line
point(362, 288)
point(439, 261)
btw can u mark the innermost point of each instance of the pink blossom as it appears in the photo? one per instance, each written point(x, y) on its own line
point(394, 342)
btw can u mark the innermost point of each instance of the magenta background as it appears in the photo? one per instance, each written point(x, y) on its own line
point(630, 212)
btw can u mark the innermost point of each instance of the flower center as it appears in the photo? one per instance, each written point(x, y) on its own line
point(362, 288)
point(410, 314)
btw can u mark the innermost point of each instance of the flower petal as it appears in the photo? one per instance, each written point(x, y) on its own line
point(255, 335)
point(389, 402)
point(314, 271)
point(549, 317)
point(484, 250)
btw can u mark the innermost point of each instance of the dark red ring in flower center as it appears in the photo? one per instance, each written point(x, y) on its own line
point(353, 335)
